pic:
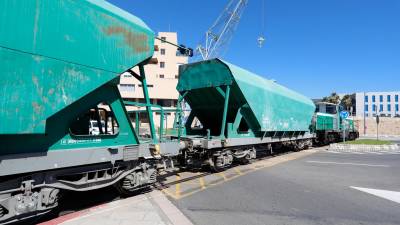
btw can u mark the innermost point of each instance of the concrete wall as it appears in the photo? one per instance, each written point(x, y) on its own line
point(387, 126)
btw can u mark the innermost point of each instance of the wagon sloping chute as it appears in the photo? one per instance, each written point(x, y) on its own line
point(266, 105)
point(53, 53)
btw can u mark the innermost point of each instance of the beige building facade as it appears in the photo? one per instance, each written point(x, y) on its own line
point(162, 79)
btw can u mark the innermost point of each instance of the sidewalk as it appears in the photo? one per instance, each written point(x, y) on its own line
point(381, 136)
point(147, 209)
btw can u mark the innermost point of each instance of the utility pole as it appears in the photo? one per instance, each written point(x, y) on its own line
point(344, 130)
point(365, 126)
point(377, 124)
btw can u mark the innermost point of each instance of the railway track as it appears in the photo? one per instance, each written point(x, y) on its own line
point(72, 202)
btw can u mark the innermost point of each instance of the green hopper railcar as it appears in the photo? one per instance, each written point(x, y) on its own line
point(238, 112)
point(63, 123)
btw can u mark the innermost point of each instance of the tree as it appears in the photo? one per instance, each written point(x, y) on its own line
point(333, 98)
point(347, 102)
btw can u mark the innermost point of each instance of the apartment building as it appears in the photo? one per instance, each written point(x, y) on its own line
point(162, 79)
point(370, 104)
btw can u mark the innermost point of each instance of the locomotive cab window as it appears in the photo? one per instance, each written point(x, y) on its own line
point(99, 120)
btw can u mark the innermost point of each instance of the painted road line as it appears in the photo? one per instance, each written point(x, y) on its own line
point(350, 164)
point(335, 152)
point(222, 174)
point(238, 171)
point(202, 183)
point(376, 153)
point(184, 183)
point(178, 186)
point(168, 193)
point(389, 195)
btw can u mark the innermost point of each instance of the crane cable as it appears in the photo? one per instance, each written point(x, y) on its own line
point(261, 38)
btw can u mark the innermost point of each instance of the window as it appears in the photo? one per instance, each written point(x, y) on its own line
point(380, 108)
point(396, 98)
point(397, 107)
point(389, 107)
point(366, 108)
point(164, 102)
point(162, 64)
point(366, 98)
point(163, 39)
point(149, 85)
point(161, 76)
point(373, 98)
point(96, 121)
point(374, 108)
point(126, 87)
point(380, 98)
point(162, 52)
point(165, 114)
point(388, 98)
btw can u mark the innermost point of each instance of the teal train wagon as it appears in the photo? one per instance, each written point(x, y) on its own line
point(63, 123)
point(234, 111)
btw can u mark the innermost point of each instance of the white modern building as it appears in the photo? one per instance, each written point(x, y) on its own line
point(162, 79)
point(370, 104)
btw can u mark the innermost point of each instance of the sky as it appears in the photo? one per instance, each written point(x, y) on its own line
point(315, 47)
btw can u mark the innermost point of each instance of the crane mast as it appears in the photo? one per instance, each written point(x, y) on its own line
point(221, 32)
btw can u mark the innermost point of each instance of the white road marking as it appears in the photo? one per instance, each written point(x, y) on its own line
point(335, 152)
point(377, 153)
point(389, 195)
point(351, 164)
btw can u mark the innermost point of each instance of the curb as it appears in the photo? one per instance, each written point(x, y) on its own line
point(364, 147)
point(159, 204)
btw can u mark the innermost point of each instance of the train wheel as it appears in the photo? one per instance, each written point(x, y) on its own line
point(220, 160)
point(2, 211)
point(136, 182)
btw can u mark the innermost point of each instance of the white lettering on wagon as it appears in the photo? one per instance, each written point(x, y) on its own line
point(80, 141)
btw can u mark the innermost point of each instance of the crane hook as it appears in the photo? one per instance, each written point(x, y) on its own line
point(260, 41)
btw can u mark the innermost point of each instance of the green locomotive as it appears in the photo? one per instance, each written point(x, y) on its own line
point(329, 126)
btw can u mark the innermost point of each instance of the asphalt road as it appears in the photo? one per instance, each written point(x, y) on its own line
point(316, 189)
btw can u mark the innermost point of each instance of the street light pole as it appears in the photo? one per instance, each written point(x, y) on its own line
point(377, 124)
point(365, 126)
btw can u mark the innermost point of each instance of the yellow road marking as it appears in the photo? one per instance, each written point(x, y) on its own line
point(223, 175)
point(238, 171)
point(169, 193)
point(252, 167)
point(202, 183)
point(178, 186)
